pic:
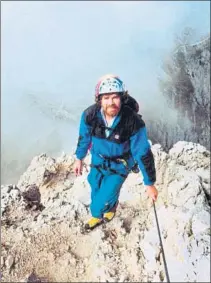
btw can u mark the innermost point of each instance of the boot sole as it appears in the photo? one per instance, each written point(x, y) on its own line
point(107, 219)
point(86, 228)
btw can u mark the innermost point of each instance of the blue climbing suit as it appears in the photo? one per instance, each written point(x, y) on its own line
point(114, 152)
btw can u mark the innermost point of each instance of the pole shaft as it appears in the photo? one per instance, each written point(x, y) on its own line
point(161, 244)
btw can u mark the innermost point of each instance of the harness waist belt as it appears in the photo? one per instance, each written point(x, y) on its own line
point(116, 158)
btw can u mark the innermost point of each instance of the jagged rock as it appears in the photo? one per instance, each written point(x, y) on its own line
point(191, 155)
point(2, 261)
point(126, 249)
point(9, 195)
point(200, 222)
point(9, 262)
point(39, 172)
point(32, 196)
point(177, 242)
point(34, 278)
point(203, 269)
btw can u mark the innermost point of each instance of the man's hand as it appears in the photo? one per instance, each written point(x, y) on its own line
point(77, 168)
point(152, 192)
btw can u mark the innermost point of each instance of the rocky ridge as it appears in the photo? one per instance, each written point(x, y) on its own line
point(43, 215)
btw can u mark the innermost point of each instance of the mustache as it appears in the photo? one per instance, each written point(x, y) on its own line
point(113, 106)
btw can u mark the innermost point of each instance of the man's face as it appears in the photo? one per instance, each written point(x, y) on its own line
point(111, 104)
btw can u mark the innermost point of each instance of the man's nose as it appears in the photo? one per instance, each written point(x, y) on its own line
point(110, 101)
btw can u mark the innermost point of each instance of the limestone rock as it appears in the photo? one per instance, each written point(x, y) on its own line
point(43, 216)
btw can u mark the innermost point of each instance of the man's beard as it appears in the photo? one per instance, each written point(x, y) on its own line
point(112, 110)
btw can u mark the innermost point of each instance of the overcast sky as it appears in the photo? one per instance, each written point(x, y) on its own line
point(57, 50)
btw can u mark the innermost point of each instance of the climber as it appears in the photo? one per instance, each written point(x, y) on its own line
point(119, 139)
point(133, 104)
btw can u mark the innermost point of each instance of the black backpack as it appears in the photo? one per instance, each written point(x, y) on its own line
point(131, 102)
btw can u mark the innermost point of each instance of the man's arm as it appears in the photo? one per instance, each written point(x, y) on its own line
point(141, 151)
point(84, 139)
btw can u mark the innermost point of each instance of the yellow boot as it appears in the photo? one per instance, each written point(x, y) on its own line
point(108, 216)
point(92, 223)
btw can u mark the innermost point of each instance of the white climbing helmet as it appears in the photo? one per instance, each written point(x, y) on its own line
point(109, 84)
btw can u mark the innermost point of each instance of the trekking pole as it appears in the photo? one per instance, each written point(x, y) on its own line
point(162, 249)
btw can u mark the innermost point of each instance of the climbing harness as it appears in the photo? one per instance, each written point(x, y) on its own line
point(162, 249)
point(117, 159)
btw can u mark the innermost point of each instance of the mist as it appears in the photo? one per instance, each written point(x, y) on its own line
point(54, 52)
